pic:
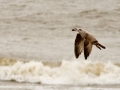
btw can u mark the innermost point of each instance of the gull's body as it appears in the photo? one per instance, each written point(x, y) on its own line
point(85, 41)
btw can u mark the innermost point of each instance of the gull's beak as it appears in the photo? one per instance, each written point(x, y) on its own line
point(74, 29)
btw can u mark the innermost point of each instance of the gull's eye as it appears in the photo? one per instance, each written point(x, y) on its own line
point(80, 29)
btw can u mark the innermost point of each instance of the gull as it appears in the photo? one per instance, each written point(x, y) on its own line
point(85, 41)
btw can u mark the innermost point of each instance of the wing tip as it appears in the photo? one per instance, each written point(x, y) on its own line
point(85, 58)
point(77, 56)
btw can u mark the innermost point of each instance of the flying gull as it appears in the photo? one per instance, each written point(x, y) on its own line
point(85, 41)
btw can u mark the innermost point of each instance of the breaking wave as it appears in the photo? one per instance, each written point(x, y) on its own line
point(78, 72)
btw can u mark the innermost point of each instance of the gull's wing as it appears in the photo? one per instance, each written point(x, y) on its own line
point(87, 48)
point(79, 45)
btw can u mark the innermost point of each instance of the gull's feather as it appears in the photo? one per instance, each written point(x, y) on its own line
point(79, 45)
point(87, 48)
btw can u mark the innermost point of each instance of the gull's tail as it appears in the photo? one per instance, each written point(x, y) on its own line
point(98, 45)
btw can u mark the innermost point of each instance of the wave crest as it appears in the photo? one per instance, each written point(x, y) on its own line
point(64, 72)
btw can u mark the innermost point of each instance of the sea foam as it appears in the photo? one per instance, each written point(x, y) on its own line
point(78, 72)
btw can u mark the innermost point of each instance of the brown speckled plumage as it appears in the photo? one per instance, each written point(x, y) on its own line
point(85, 41)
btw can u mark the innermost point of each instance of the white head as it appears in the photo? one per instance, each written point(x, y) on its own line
point(81, 32)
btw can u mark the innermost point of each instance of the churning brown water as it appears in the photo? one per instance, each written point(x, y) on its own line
point(37, 35)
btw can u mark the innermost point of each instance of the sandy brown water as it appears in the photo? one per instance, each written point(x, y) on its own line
point(6, 85)
point(37, 45)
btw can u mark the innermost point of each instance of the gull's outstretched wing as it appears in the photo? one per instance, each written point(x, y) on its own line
point(87, 48)
point(79, 45)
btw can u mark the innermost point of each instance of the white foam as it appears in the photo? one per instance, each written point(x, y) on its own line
point(68, 72)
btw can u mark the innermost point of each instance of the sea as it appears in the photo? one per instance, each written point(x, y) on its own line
point(37, 45)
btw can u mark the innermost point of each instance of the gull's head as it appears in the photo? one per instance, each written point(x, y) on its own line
point(76, 29)
point(81, 32)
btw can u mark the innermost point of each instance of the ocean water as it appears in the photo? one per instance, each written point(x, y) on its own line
point(37, 45)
